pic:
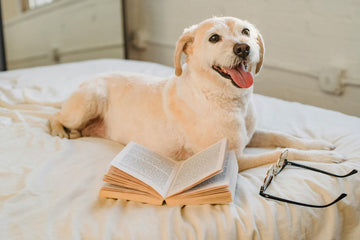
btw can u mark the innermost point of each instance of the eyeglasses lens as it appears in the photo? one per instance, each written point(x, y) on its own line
point(280, 163)
point(269, 177)
point(275, 169)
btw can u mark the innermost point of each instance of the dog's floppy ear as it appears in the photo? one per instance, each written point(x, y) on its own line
point(260, 41)
point(183, 45)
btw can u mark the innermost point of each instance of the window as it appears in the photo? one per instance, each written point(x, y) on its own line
point(37, 3)
point(32, 4)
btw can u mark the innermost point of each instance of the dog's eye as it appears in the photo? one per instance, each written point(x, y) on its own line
point(214, 38)
point(246, 31)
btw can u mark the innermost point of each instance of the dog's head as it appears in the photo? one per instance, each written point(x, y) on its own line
point(225, 48)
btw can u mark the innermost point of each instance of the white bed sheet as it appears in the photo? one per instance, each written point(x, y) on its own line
point(49, 186)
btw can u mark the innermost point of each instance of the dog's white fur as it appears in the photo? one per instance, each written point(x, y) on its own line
point(186, 113)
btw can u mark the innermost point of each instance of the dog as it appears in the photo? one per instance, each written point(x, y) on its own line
point(208, 98)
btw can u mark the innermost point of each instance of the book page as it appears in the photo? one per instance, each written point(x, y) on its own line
point(118, 192)
point(233, 173)
point(222, 179)
point(117, 177)
point(219, 189)
point(199, 167)
point(151, 168)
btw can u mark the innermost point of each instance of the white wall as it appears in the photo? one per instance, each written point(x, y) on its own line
point(304, 39)
point(64, 31)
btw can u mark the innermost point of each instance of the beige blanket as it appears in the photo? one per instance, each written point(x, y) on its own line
point(49, 186)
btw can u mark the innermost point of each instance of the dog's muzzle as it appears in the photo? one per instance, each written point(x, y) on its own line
point(238, 74)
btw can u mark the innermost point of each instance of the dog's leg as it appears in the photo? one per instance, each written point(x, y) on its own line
point(267, 139)
point(83, 105)
point(246, 161)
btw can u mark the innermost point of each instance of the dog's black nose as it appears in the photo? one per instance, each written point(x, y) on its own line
point(242, 50)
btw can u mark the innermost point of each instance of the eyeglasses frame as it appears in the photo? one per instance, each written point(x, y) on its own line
point(276, 168)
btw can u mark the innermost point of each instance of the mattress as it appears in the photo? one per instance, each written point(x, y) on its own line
point(49, 186)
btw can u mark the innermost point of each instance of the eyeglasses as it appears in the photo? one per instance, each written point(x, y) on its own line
point(276, 168)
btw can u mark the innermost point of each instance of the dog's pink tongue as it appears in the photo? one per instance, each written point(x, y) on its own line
point(241, 77)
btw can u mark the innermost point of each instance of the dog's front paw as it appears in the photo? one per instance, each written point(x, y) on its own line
point(74, 134)
point(57, 129)
point(319, 145)
point(331, 157)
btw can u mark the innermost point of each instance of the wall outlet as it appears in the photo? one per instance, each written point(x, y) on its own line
point(330, 80)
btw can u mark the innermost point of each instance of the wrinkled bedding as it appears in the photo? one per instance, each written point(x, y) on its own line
point(49, 186)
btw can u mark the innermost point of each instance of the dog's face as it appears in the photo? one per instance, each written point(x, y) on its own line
point(226, 49)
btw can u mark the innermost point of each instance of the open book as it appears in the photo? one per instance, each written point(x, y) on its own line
point(140, 174)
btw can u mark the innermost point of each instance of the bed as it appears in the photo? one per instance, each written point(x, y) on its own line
point(49, 186)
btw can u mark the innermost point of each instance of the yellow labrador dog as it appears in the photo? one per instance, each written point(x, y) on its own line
point(209, 98)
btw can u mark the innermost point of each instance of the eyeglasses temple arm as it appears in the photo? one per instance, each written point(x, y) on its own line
point(299, 203)
point(321, 171)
